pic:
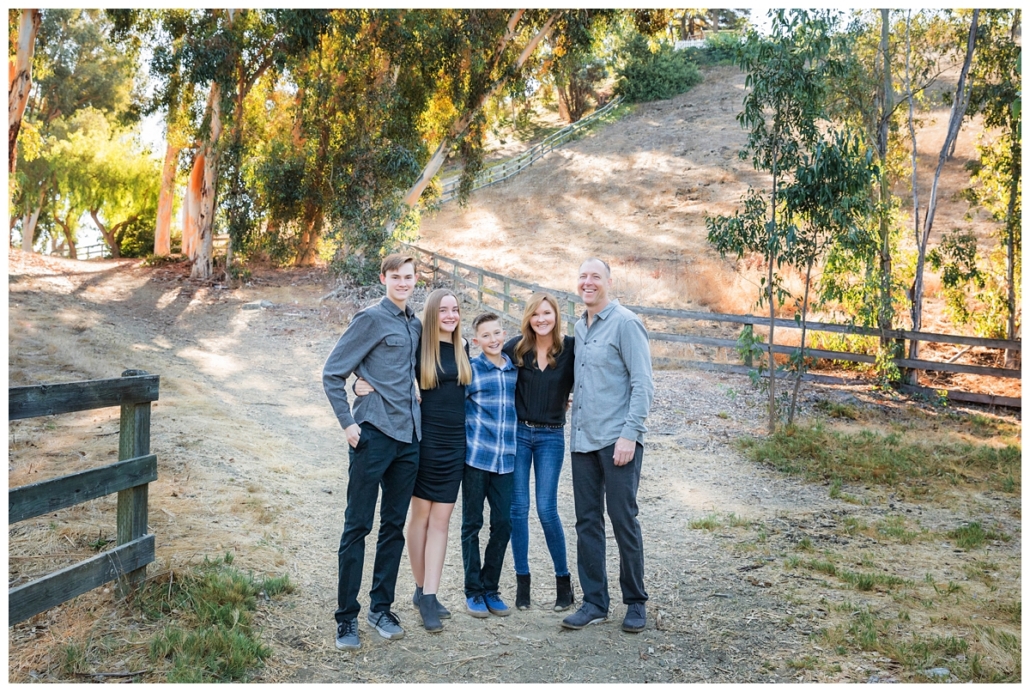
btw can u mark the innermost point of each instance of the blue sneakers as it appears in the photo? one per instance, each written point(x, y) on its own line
point(477, 607)
point(495, 605)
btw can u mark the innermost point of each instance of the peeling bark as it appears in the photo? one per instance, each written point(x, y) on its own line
point(20, 81)
point(163, 231)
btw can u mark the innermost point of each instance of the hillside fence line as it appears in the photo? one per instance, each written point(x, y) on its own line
point(498, 172)
point(499, 293)
point(129, 477)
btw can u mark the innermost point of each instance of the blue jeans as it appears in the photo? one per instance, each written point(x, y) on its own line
point(479, 487)
point(544, 450)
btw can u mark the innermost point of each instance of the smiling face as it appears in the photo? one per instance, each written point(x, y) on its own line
point(449, 317)
point(399, 282)
point(542, 320)
point(593, 284)
point(490, 338)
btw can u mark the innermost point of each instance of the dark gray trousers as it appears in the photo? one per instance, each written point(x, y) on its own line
point(597, 482)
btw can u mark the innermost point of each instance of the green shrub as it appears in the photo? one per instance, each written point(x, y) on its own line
point(651, 76)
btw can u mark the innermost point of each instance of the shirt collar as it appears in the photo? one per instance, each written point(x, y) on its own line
point(604, 313)
point(507, 361)
point(392, 308)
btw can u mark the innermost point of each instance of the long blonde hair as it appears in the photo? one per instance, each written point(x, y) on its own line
point(430, 353)
point(528, 341)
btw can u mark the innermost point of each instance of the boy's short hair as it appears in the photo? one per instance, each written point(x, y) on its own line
point(485, 317)
point(395, 261)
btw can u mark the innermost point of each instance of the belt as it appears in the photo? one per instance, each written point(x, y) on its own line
point(542, 425)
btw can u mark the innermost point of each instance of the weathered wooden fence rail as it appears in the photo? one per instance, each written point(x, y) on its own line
point(129, 477)
point(506, 292)
point(506, 169)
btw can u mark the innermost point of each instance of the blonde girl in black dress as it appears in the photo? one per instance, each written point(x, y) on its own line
point(442, 370)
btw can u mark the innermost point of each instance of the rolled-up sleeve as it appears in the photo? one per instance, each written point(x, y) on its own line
point(354, 344)
point(636, 354)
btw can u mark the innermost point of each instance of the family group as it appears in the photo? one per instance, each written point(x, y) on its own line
point(428, 420)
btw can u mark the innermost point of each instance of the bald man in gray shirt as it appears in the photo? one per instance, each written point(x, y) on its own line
point(611, 399)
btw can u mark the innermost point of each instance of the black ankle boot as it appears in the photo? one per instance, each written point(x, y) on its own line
point(522, 591)
point(427, 608)
point(565, 597)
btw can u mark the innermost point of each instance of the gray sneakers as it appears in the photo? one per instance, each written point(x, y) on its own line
point(588, 614)
point(387, 624)
point(636, 618)
point(347, 635)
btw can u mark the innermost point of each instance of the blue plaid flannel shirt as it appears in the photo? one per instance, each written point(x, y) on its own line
point(490, 418)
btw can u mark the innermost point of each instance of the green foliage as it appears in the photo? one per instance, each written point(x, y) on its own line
point(654, 75)
point(212, 638)
point(973, 535)
point(888, 460)
point(720, 48)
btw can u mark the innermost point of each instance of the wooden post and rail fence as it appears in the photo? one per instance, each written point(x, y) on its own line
point(129, 477)
point(499, 293)
point(498, 172)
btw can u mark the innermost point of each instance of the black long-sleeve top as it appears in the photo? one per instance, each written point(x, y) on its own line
point(541, 395)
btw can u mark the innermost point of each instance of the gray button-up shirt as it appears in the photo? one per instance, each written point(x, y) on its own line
point(380, 345)
point(614, 386)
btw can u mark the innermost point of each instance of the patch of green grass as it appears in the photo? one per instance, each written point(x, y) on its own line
point(803, 663)
point(872, 458)
point(708, 523)
point(971, 536)
point(834, 409)
point(805, 544)
point(211, 639)
point(863, 581)
point(895, 527)
point(737, 522)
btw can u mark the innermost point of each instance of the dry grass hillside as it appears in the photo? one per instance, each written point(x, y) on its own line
point(637, 191)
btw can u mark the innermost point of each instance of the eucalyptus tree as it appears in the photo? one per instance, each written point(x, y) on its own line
point(20, 79)
point(826, 203)
point(787, 81)
point(76, 67)
point(958, 110)
point(997, 95)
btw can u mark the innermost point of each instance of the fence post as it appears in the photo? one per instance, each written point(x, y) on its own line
point(435, 267)
point(572, 317)
point(480, 282)
point(133, 441)
point(748, 360)
point(507, 294)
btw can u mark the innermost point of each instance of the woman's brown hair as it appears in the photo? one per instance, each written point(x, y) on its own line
point(430, 353)
point(528, 341)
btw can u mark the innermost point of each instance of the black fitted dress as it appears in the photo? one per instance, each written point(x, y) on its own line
point(442, 451)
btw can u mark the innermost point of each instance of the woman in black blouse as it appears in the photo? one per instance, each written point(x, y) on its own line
point(442, 371)
point(545, 360)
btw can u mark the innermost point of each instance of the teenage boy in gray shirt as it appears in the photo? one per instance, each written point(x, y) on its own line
point(383, 432)
point(611, 398)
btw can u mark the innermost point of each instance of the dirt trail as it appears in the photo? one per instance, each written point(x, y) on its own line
point(251, 460)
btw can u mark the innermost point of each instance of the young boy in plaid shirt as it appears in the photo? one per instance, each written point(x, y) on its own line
point(490, 426)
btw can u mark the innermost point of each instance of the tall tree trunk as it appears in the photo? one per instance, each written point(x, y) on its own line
point(110, 235)
point(28, 224)
point(1010, 252)
point(69, 237)
point(771, 294)
point(804, 330)
point(886, 312)
point(958, 113)
point(191, 206)
point(28, 229)
point(458, 128)
point(202, 265)
point(912, 377)
point(309, 240)
point(163, 231)
point(20, 81)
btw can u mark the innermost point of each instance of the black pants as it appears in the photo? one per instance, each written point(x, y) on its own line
point(378, 460)
point(597, 482)
point(476, 486)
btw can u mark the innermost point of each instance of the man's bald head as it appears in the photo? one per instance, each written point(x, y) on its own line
point(607, 269)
